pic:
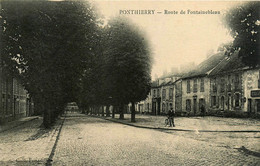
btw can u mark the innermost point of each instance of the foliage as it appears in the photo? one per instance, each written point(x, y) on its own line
point(50, 44)
point(128, 62)
point(244, 23)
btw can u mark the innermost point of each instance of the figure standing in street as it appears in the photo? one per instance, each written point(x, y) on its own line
point(171, 115)
point(202, 110)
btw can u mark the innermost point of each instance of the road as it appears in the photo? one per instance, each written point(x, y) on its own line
point(94, 141)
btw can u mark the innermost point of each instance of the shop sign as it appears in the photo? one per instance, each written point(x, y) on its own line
point(255, 93)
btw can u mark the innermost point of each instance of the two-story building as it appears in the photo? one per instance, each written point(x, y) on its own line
point(196, 86)
point(234, 87)
point(167, 96)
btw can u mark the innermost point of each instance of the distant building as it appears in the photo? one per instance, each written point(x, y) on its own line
point(156, 98)
point(220, 83)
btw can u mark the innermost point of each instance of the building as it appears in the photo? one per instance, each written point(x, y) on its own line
point(195, 86)
point(14, 101)
point(234, 87)
point(220, 83)
point(167, 96)
point(178, 97)
point(156, 98)
point(251, 91)
point(165, 93)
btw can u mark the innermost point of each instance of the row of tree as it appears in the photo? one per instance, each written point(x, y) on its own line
point(63, 52)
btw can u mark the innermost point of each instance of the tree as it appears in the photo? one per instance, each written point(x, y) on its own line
point(50, 44)
point(244, 23)
point(128, 64)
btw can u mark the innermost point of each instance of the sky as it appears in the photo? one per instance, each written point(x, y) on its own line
point(175, 39)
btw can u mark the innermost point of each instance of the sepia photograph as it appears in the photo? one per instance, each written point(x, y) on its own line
point(129, 83)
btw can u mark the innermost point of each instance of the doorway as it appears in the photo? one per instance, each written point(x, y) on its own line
point(249, 106)
point(222, 101)
point(257, 105)
point(195, 106)
point(229, 103)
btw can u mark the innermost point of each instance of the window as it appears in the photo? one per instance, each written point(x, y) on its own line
point(259, 80)
point(213, 101)
point(188, 86)
point(195, 88)
point(154, 93)
point(214, 85)
point(188, 105)
point(236, 82)
point(171, 93)
point(202, 85)
point(158, 92)
point(229, 84)
point(164, 93)
point(163, 107)
point(222, 85)
point(237, 99)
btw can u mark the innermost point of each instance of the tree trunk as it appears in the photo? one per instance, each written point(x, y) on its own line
point(83, 110)
point(91, 111)
point(107, 111)
point(102, 111)
point(113, 112)
point(133, 112)
point(121, 111)
point(98, 110)
point(47, 117)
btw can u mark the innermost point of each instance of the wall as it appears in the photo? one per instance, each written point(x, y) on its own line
point(251, 83)
point(14, 100)
point(195, 109)
point(229, 92)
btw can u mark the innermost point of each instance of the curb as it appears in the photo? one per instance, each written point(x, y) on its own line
point(50, 158)
point(186, 130)
point(17, 125)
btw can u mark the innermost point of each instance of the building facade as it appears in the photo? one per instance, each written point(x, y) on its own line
point(234, 87)
point(14, 101)
point(251, 91)
point(167, 96)
point(195, 93)
point(220, 83)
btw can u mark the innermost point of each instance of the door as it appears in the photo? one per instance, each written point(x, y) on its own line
point(201, 102)
point(249, 106)
point(258, 105)
point(159, 107)
point(195, 106)
point(154, 108)
point(229, 103)
point(222, 101)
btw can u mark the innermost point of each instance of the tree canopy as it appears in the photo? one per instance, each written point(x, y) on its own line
point(50, 43)
point(62, 54)
point(128, 62)
point(244, 24)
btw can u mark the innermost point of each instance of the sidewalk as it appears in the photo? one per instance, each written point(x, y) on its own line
point(16, 123)
point(25, 142)
point(195, 124)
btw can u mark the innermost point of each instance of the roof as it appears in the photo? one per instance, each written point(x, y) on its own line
point(228, 64)
point(166, 83)
point(206, 66)
point(171, 75)
point(154, 84)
